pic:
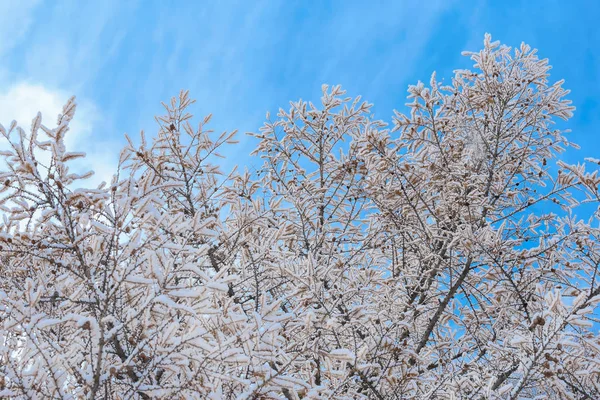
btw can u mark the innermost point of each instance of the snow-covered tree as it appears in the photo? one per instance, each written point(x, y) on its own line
point(441, 258)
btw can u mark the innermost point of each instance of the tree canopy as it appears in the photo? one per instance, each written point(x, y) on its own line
point(439, 258)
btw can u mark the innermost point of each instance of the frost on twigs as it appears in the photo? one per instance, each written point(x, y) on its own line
point(439, 258)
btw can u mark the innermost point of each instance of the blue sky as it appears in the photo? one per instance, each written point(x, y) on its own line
point(241, 59)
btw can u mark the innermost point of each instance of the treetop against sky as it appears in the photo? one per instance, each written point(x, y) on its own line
point(240, 59)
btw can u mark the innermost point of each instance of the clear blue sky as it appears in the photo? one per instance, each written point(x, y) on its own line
point(242, 58)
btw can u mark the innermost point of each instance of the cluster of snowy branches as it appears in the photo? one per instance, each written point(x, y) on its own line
point(439, 259)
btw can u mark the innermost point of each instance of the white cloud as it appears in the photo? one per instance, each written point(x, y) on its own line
point(22, 101)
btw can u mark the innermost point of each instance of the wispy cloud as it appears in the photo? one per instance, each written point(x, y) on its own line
point(15, 20)
point(69, 43)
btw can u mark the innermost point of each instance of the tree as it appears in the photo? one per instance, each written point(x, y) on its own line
point(439, 259)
